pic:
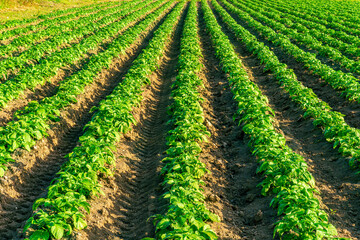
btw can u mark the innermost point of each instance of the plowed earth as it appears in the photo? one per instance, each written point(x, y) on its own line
point(133, 194)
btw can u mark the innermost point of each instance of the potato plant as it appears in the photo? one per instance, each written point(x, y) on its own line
point(332, 123)
point(61, 211)
point(286, 172)
point(186, 214)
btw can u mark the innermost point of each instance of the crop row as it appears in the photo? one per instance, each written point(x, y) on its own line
point(78, 178)
point(345, 42)
point(38, 74)
point(306, 34)
point(286, 172)
point(63, 24)
point(54, 14)
point(44, 24)
point(334, 22)
point(336, 79)
point(33, 122)
point(345, 36)
point(83, 27)
point(332, 123)
point(330, 12)
point(186, 213)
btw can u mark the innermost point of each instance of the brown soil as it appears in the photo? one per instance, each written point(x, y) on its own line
point(7, 41)
point(337, 183)
point(39, 93)
point(33, 171)
point(324, 91)
point(50, 87)
point(21, 49)
point(12, 73)
point(133, 194)
point(231, 186)
point(325, 60)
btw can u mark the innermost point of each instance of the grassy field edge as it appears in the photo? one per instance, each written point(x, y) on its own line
point(22, 9)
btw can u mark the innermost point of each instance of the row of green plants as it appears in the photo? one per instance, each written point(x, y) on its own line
point(302, 37)
point(332, 123)
point(63, 24)
point(320, 32)
point(41, 25)
point(185, 214)
point(327, 12)
point(286, 172)
point(338, 28)
point(19, 22)
point(34, 121)
point(62, 210)
point(334, 23)
point(80, 28)
point(345, 82)
point(47, 68)
point(347, 43)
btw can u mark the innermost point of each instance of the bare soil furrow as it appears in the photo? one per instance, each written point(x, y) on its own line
point(33, 171)
point(324, 91)
point(50, 88)
point(230, 189)
point(21, 49)
point(338, 184)
point(133, 194)
point(40, 92)
point(17, 206)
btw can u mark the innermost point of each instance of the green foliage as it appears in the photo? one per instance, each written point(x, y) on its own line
point(57, 31)
point(336, 78)
point(286, 172)
point(333, 125)
point(47, 68)
point(33, 122)
point(332, 18)
point(347, 43)
point(186, 214)
point(62, 210)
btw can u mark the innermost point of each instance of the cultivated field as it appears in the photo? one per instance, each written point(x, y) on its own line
point(191, 120)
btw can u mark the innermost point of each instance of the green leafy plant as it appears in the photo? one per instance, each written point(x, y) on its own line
point(347, 43)
point(33, 122)
point(56, 35)
point(29, 78)
point(62, 210)
point(332, 123)
point(337, 79)
point(186, 214)
point(286, 172)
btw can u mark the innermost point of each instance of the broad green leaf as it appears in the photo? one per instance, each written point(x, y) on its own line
point(164, 223)
point(79, 223)
point(57, 231)
point(40, 235)
point(2, 171)
point(332, 230)
point(37, 134)
point(211, 235)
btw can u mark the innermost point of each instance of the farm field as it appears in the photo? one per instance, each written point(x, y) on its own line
point(182, 119)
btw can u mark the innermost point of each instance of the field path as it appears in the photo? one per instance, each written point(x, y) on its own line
point(337, 183)
point(33, 171)
point(230, 190)
point(133, 195)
